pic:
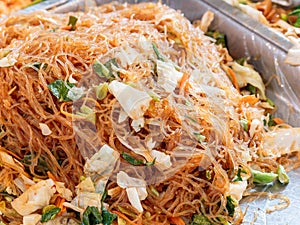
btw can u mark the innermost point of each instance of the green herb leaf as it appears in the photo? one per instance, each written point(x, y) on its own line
point(60, 89)
point(91, 216)
point(157, 53)
point(49, 213)
point(136, 162)
point(200, 220)
point(230, 205)
point(263, 177)
point(107, 217)
point(282, 175)
point(72, 22)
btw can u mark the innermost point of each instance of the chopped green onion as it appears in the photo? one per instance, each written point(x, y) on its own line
point(91, 216)
point(245, 124)
point(107, 217)
point(101, 91)
point(251, 89)
point(284, 17)
point(72, 22)
point(136, 162)
point(105, 70)
point(230, 205)
point(238, 176)
point(200, 220)
point(49, 213)
point(154, 191)
point(271, 103)
point(34, 3)
point(199, 137)
point(60, 89)
point(127, 212)
point(158, 54)
point(87, 113)
point(219, 37)
point(263, 177)
point(282, 175)
point(208, 174)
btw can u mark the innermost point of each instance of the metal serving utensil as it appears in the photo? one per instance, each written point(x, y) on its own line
point(45, 5)
point(287, 3)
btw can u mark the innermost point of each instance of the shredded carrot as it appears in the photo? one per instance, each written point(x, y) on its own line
point(124, 217)
point(278, 120)
point(10, 153)
point(177, 221)
point(183, 83)
point(59, 203)
point(251, 99)
point(233, 78)
point(51, 176)
point(66, 27)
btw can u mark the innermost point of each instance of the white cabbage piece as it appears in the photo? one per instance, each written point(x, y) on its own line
point(32, 219)
point(85, 199)
point(75, 93)
point(282, 141)
point(168, 76)
point(135, 189)
point(100, 167)
point(45, 129)
point(7, 61)
point(236, 189)
point(134, 199)
point(133, 101)
point(255, 127)
point(35, 197)
point(138, 124)
point(162, 160)
point(126, 56)
point(23, 182)
point(63, 191)
point(247, 75)
point(253, 13)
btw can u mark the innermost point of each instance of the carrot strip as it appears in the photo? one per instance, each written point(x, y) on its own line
point(177, 221)
point(51, 176)
point(59, 203)
point(183, 83)
point(10, 153)
point(278, 120)
point(124, 217)
point(251, 99)
point(233, 78)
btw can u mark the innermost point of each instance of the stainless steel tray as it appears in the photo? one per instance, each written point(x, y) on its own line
point(267, 51)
